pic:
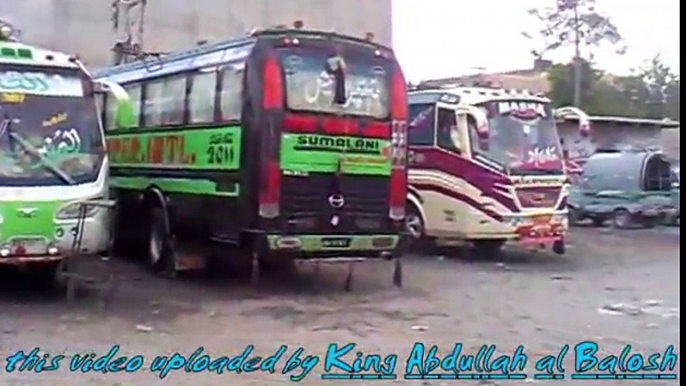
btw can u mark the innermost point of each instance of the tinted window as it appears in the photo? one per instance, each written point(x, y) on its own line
point(201, 98)
point(164, 101)
point(422, 118)
point(447, 130)
point(232, 83)
point(311, 85)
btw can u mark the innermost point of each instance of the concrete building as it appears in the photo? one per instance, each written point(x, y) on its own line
point(533, 79)
point(620, 133)
point(86, 27)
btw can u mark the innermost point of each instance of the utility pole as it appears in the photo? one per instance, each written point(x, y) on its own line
point(129, 33)
point(577, 54)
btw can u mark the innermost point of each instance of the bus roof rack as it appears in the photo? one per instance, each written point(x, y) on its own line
point(298, 27)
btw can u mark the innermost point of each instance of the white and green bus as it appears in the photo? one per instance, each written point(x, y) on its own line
point(52, 155)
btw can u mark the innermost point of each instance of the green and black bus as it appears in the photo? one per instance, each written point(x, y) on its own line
point(288, 143)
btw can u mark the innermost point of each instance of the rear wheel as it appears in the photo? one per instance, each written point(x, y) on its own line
point(159, 250)
point(621, 219)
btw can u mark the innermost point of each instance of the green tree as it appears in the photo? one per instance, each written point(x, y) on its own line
point(561, 78)
point(662, 84)
point(577, 23)
point(602, 94)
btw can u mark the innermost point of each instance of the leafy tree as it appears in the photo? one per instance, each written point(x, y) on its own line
point(561, 78)
point(662, 85)
point(577, 23)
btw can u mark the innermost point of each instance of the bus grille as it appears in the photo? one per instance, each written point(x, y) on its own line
point(538, 197)
point(365, 208)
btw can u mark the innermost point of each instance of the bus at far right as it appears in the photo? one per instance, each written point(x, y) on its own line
point(486, 168)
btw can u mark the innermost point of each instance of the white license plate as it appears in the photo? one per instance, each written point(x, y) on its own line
point(30, 246)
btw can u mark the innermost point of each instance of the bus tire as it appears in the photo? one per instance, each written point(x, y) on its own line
point(45, 274)
point(159, 251)
point(415, 228)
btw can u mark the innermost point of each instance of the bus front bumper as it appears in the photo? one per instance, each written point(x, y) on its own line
point(333, 246)
point(37, 249)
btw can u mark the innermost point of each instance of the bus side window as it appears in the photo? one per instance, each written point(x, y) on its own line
point(230, 95)
point(173, 100)
point(201, 97)
point(153, 104)
point(134, 91)
point(448, 134)
point(422, 119)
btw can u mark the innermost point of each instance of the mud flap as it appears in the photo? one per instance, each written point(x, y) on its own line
point(190, 258)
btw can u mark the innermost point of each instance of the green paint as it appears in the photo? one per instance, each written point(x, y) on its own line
point(216, 148)
point(320, 153)
point(174, 185)
point(20, 53)
point(25, 218)
point(314, 243)
point(124, 116)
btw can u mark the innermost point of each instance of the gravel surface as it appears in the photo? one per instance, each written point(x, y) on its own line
point(612, 287)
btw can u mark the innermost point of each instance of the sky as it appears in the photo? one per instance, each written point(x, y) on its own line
point(444, 38)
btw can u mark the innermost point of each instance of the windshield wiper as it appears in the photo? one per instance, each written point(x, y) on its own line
point(44, 161)
point(5, 126)
point(535, 172)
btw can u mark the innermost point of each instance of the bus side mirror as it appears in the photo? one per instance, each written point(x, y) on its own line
point(583, 118)
point(123, 111)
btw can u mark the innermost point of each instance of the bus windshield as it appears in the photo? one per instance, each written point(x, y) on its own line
point(309, 87)
point(49, 130)
point(523, 137)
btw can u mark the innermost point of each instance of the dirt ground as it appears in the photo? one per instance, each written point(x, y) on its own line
point(612, 287)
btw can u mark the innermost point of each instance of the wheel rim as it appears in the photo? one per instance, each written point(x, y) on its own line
point(622, 219)
point(414, 226)
point(155, 246)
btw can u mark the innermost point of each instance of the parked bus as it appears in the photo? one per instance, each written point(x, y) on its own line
point(486, 167)
point(52, 155)
point(288, 143)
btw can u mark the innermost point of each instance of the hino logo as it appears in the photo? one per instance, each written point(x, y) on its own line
point(27, 212)
point(336, 201)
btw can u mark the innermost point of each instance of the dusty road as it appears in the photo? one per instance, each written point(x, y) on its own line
point(615, 288)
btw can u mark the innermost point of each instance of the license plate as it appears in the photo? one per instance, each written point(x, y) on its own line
point(336, 242)
point(30, 246)
point(542, 220)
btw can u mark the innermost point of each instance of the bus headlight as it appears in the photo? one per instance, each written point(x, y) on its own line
point(71, 212)
point(561, 218)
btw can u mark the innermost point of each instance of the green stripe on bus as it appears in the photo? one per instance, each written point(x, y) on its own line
point(174, 185)
point(325, 154)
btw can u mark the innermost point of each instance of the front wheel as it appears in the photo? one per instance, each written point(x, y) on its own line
point(559, 247)
point(416, 229)
point(45, 274)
